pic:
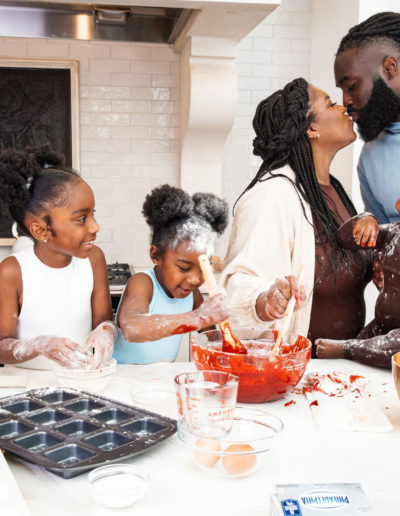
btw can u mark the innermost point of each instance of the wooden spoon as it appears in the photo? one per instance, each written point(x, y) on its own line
point(230, 343)
point(286, 318)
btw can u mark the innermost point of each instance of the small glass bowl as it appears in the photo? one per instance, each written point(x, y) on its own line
point(94, 380)
point(118, 485)
point(153, 396)
point(250, 444)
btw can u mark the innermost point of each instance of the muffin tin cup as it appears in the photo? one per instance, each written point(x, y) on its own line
point(68, 431)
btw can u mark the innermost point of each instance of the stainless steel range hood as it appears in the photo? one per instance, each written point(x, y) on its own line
point(99, 22)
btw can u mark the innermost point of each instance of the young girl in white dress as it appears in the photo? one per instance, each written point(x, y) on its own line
point(54, 299)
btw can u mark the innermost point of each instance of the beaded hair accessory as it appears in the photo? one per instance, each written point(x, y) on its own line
point(29, 182)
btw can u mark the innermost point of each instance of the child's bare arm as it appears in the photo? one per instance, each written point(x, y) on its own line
point(105, 332)
point(13, 350)
point(138, 326)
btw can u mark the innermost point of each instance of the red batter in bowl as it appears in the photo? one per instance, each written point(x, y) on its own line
point(261, 377)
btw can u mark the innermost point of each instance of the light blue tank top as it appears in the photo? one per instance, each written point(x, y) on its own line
point(165, 349)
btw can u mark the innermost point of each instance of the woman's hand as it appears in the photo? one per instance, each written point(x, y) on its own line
point(272, 304)
point(213, 310)
point(365, 231)
point(61, 350)
point(102, 339)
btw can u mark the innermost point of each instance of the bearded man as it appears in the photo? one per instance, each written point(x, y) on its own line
point(367, 69)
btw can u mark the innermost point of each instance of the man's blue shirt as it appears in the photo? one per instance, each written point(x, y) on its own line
point(379, 174)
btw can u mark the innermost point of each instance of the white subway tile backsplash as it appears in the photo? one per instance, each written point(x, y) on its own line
point(44, 49)
point(115, 119)
point(165, 81)
point(139, 53)
point(138, 133)
point(130, 79)
point(109, 92)
point(164, 53)
point(164, 107)
point(140, 93)
point(111, 65)
point(112, 171)
point(158, 67)
point(96, 132)
point(131, 106)
point(88, 78)
point(160, 93)
point(96, 106)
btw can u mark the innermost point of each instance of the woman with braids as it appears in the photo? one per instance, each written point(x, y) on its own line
point(367, 69)
point(287, 218)
point(159, 305)
point(55, 292)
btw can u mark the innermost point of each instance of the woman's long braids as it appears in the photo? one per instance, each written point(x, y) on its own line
point(281, 122)
point(381, 26)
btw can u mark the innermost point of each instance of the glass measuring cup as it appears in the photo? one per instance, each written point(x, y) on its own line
point(207, 399)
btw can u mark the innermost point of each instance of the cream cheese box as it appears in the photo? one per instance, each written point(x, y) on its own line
point(319, 500)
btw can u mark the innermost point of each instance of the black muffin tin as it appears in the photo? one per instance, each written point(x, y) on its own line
point(68, 431)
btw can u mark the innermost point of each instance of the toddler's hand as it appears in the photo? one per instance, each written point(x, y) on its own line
point(102, 340)
point(213, 310)
point(397, 205)
point(365, 231)
point(61, 350)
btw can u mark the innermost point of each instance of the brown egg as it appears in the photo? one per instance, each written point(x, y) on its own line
point(206, 458)
point(238, 464)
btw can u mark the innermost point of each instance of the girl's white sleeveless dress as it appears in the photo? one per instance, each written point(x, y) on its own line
point(55, 301)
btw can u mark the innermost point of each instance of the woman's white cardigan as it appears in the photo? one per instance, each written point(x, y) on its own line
point(271, 238)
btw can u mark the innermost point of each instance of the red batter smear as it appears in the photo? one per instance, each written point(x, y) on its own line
point(184, 329)
point(261, 377)
point(314, 403)
point(230, 343)
point(291, 402)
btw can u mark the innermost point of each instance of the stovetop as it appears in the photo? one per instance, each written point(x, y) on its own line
point(118, 273)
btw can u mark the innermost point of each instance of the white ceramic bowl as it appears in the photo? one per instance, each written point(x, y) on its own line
point(94, 380)
point(118, 485)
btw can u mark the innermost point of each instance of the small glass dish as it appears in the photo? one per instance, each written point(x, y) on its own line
point(251, 443)
point(94, 380)
point(153, 396)
point(118, 485)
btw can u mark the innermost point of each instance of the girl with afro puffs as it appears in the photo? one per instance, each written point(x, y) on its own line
point(158, 306)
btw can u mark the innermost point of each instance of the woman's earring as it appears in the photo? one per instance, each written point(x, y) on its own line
point(45, 241)
point(318, 136)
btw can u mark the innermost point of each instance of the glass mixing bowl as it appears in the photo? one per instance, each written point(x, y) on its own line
point(262, 377)
point(250, 444)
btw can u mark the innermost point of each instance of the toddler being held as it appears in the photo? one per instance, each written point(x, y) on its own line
point(380, 339)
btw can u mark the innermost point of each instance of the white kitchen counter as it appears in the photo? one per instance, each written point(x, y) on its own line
point(178, 488)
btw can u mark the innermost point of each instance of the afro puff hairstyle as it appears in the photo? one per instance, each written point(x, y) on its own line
point(175, 216)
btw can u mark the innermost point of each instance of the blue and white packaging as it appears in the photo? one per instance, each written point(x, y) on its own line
point(319, 500)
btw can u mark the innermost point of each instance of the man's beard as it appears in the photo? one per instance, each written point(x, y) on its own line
point(382, 108)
